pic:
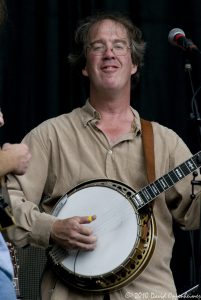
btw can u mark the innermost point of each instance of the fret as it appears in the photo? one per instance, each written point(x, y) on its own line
point(138, 200)
point(191, 165)
point(155, 189)
point(167, 180)
point(178, 173)
point(182, 171)
point(172, 177)
point(150, 192)
point(185, 169)
point(175, 175)
point(160, 186)
point(197, 159)
point(146, 193)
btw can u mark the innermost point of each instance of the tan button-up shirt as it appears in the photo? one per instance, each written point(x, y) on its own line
point(70, 149)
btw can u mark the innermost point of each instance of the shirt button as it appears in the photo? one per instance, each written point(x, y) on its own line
point(109, 151)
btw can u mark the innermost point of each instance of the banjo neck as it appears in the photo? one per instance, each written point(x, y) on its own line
point(153, 190)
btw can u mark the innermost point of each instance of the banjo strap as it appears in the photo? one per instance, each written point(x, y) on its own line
point(148, 147)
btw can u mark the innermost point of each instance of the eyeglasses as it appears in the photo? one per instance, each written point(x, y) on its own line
point(119, 48)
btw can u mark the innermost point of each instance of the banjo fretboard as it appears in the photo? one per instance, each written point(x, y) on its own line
point(151, 191)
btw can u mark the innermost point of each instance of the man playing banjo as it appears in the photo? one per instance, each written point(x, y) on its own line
point(97, 147)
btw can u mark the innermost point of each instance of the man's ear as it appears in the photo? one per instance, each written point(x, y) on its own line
point(84, 72)
point(134, 69)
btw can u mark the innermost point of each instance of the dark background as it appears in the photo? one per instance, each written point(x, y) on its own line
point(37, 83)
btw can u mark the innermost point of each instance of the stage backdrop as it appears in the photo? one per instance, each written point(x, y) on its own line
point(37, 83)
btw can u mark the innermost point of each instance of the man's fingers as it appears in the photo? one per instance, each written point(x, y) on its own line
point(87, 219)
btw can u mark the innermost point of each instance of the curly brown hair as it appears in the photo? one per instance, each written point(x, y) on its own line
point(136, 42)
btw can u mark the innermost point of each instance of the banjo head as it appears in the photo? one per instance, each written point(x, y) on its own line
point(125, 237)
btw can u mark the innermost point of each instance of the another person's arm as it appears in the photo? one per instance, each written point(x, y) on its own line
point(14, 158)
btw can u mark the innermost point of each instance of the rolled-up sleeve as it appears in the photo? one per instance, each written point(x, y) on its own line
point(33, 227)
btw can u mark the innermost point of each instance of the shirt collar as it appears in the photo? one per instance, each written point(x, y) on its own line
point(90, 114)
point(136, 123)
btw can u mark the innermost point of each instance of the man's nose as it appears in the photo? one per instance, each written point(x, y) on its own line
point(109, 51)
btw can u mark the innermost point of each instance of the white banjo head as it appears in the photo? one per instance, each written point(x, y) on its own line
point(116, 229)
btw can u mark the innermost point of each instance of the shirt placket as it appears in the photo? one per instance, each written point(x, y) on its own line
point(109, 163)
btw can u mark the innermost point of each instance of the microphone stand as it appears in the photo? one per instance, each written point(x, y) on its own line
point(195, 117)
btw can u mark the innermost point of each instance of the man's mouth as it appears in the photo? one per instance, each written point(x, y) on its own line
point(109, 68)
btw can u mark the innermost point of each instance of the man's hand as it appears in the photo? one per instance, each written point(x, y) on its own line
point(72, 234)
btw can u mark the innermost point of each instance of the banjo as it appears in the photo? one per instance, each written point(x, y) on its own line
point(125, 229)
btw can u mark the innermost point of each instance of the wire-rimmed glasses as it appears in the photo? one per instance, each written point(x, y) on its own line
point(119, 48)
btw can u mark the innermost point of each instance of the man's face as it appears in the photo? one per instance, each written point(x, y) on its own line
point(108, 58)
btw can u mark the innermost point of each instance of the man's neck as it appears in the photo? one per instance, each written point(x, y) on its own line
point(109, 104)
point(116, 116)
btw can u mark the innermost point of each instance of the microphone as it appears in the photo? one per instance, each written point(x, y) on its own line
point(177, 37)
